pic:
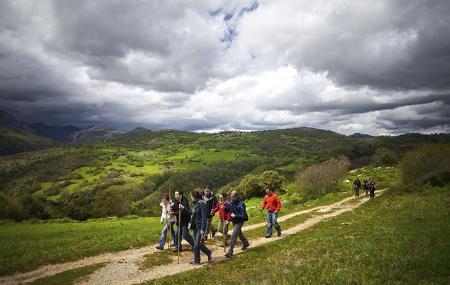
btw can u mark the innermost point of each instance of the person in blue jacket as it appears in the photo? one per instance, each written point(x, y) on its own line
point(238, 217)
point(200, 218)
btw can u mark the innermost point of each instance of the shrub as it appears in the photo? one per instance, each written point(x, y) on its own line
point(320, 179)
point(430, 163)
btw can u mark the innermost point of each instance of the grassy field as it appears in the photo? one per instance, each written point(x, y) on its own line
point(400, 238)
point(24, 246)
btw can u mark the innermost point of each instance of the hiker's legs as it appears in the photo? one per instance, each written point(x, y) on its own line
point(172, 232)
point(275, 223)
point(199, 246)
point(220, 226)
point(225, 232)
point(234, 235)
point(209, 226)
point(186, 235)
point(242, 237)
point(269, 223)
point(162, 239)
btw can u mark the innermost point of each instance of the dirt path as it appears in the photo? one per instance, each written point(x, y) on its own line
point(122, 268)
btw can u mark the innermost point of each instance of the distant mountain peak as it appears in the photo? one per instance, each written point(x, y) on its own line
point(360, 135)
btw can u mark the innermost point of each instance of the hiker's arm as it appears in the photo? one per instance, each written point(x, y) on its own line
point(278, 205)
point(264, 203)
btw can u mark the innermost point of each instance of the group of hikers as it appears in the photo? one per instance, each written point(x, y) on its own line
point(369, 187)
point(180, 219)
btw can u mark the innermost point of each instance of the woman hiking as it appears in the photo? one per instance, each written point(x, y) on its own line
point(199, 218)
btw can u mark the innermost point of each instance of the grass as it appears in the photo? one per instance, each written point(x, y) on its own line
point(155, 259)
point(399, 238)
point(25, 246)
point(69, 276)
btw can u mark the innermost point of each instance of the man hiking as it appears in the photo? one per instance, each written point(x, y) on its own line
point(273, 203)
point(211, 202)
point(169, 222)
point(199, 218)
point(224, 217)
point(357, 186)
point(372, 186)
point(183, 218)
point(238, 217)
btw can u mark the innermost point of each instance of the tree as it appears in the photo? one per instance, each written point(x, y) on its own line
point(320, 179)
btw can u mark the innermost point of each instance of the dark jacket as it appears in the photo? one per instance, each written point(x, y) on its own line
point(357, 183)
point(201, 215)
point(238, 209)
point(211, 203)
point(185, 213)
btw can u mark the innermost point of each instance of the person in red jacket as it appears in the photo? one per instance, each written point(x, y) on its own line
point(224, 217)
point(273, 204)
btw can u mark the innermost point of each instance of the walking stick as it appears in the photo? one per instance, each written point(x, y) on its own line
point(179, 231)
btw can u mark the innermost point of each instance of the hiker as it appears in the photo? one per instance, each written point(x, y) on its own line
point(366, 187)
point(224, 217)
point(198, 224)
point(211, 202)
point(357, 186)
point(273, 203)
point(238, 217)
point(372, 186)
point(169, 222)
point(182, 220)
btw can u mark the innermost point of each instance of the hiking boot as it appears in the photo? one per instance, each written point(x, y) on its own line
point(213, 232)
point(159, 247)
point(268, 236)
point(244, 247)
point(194, 263)
point(279, 233)
point(228, 255)
point(176, 250)
point(210, 259)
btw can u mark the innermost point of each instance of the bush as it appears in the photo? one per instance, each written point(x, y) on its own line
point(318, 180)
point(430, 163)
point(255, 185)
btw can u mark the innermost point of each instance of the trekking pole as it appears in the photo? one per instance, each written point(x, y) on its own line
point(179, 231)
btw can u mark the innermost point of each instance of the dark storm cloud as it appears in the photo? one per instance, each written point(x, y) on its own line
point(165, 64)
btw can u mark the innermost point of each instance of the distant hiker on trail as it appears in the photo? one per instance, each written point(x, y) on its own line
point(357, 186)
point(366, 186)
point(372, 186)
point(199, 218)
point(224, 217)
point(238, 217)
point(183, 218)
point(211, 202)
point(169, 222)
point(273, 203)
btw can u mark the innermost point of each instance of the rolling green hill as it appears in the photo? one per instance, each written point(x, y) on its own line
point(135, 169)
point(12, 141)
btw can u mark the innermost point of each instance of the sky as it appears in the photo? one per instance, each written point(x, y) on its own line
point(380, 67)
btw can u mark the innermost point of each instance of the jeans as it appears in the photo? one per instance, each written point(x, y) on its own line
point(237, 231)
point(184, 234)
point(272, 221)
point(199, 246)
point(223, 228)
point(164, 231)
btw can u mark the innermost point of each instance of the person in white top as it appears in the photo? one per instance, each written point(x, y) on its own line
point(168, 221)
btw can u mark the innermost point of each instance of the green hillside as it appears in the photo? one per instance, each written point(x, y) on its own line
point(12, 141)
point(132, 172)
